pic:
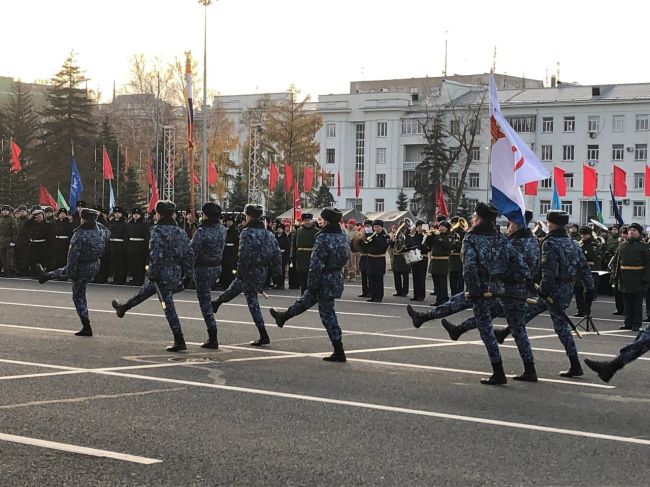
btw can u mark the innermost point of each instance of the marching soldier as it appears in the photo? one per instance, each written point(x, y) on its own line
point(419, 268)
point(363, 260)
point(258, 251)
point(86, 248)
point(325, 281)
point(39, 240)
point(627, 354)
point(375, 247)
point(303, 245)
point(439, 243)
point(118, 246)
point(170, 256)
point(285, 248)
point(207, 245)
point(8, 238)
point(589, 248)
point(105, 265)
point(62, 230)
point(230, 251)
point(138, 231)
point(22, 241)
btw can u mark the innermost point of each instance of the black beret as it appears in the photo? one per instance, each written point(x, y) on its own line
point(81, 203)
point(378, 222)
point(118, 209)
point(332, 215)
point(21, 208)
point(636, 226)
point(307, 216)
point(585, 230)
point(211, 209)
point(487, 211)
point(254, 211)
point(62, 210)
point(419, 222)
point(165, 208)
point(445, 223)
point(528, 216)
point(89, 214)
point(48, 209)
point(558, 217)
point(136, 211)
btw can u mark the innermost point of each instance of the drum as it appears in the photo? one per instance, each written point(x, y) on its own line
point(413, 256)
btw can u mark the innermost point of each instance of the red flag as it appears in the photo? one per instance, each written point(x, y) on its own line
point(338, 181)
point(45, 198)
point(560, 182)
point(441, 204)
point(589, 180)
point(647, 180)
point(154, 196)
point(212, 173)
point(357, 184)
point(15, 158)
point(297, 211)
point(288, 177)
point(530, 189)
point(108, 169)
point(273, 176)
point(309, 179)
point(126, 159)
point(196, 180)
point(620, 186)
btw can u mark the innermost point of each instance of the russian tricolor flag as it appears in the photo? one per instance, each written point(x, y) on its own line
point(513, 163)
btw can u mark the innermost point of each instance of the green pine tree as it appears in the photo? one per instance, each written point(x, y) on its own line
point(402, 201)
point(237, 196)
point(132, 194)
point(323, 198)
point(181, 189)
point(279, 202)
point(106, 138)
point(464, 209)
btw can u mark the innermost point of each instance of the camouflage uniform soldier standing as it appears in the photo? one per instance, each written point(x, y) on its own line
point(325, 281)
point(86, 249)
point(170, 256)
point(8, 237)
point(207, 244)
point(258, 251)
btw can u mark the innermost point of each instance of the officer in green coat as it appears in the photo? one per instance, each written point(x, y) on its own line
point(8, 236)
point(633, 274)
point(303, 245)
point(591, 251)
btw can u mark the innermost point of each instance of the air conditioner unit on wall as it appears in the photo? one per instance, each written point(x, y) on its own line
point(591, 163)
point(626, 202)
point(592, 135)
point(630, 149)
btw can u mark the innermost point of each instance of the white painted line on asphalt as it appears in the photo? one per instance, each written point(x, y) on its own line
point(82, 450)
point(44, 374)
point(36, 364)
point(25, 327)
point(393, 409)
point(34, 290)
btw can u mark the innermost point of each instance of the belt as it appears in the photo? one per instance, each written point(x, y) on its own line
point(117, 240)
point(377, 255)
point(37, 241)
point(632, 267)
point(132, 239)
point(230, 245)
point(306, 248)
point(62, 237)
point(364, 255)
point(439, 257)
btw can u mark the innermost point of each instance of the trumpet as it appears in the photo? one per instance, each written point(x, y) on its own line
point(461, 223)
point(371, 237)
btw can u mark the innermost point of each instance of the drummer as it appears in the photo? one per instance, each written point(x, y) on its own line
point(416, 241)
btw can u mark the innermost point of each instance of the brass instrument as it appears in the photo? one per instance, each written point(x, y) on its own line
point(402, 233)
point(371, 237)
point(461, 223)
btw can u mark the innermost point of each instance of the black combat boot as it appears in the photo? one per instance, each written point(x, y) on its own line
point(280, 317)
point(41, 274)
point(178, 345)
point(263, 340)
point(417, 316)
point(215, 305)
point(211, 342)
point(120, 309)
point(575, 370)
point(498, 377)
point(529, 375)
point(605, 370)
point(455, 331)
point(501, 334)
point(86, 330)
point(338, 355)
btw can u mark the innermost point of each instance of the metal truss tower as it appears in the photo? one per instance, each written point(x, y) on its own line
point(169, 154)
point(255, 193)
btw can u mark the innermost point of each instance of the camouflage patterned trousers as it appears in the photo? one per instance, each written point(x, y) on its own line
point(560, 324)
point(638, 347)
point(325, 310)
point(78, 291)
point(482, 311)
point(237, 286)
point(204, 279)
point(146, 291)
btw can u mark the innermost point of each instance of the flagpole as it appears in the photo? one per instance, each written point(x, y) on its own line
point(103, 177)
point(117, 178)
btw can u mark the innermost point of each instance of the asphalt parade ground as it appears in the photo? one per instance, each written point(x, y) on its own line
point(406, 409)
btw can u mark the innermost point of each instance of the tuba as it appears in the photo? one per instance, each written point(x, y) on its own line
point(402, 232)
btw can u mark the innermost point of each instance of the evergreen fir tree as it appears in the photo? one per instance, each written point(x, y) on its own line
point(238, 196)
point(68, 121)
point(323, 198)
point(464, 209)
point(181, 189)
point(132, 192)
point(106, 138)
point(402, 201)
point(279, 203)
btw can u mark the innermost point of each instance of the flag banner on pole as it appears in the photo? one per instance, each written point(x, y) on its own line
point(338, 183)
point(530, 189)
point(15, 157)
point(288, 177)
point(60, 200)
point(617, 213)
point(513, 163)
point(441, 204)
point(195, 180)
point(647, 180)
point(589, 180)
point(357, 184)
point(154, 196)
point(273, 176)
point(188, 97)
point(297, 210)
point(212, 173)
point(559, 181)
point(45, 198)
point(620, 185)
point(76, 187)
point(556, 204)
point(599, 209)
point(108, 168)
point(111, 196)
point(309, 179)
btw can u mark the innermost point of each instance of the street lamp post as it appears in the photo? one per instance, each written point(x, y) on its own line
point(204, 144)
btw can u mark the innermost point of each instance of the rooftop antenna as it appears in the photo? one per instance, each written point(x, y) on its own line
point(444, 71)
point(558, 72)
point(494, 59)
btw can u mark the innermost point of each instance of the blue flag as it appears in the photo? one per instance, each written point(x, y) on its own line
point(617, 214)
point(76, 188)
point(111, 196)
point(556, 204)
point(599, 209)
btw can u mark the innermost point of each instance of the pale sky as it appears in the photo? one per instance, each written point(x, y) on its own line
point(322, 45)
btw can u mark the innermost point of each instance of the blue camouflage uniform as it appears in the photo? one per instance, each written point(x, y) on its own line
point(325, 278)
point(87, 246)
point(207, 245)
point(637, 348)
point(170, 256)
point(258, 251)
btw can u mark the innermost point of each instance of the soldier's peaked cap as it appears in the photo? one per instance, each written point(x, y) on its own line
point(165, 208)
point(558, 217)
point(136, 211)
point(21, 208)
point(255, 211)
point(367, 222)
point(81, 204)
point(211, 209)
point(118, 209)
point(487, 211)
point(62, 210)
point(307, 216)
point(636, 226)
point(6, 208)
point(378, 222)
point(332, 215)
point(89, 214)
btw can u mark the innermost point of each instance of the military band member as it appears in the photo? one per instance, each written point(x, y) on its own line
point(118, 246)
point(363, 259)
point(375, 247)
point(40, 240)
point(401, 270)
point(62, 231)
point(419, 268)
point(285, 248)
point(325, 281)
point(439, 243)
point(589, 248)
point(303, 246)
point(229, 251)
point(8, 238)
point(456, 283)
point(138, 244)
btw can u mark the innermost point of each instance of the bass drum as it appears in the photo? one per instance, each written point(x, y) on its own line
point(413, 256)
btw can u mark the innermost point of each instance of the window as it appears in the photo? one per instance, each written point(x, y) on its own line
point(331, 130)
point(567, 206)
point(471, 204)
point(454, 152)
point(617, 152)
point(642, 123)
point(476, 153)
point(568, 178)
point(381, 155)
point(474, 180)
point(331, 156)
point(408, 178)
point(414, 208)
point(544, 206)
point(329, 180)
point(592, 152)
point(522, 123)
point(547, 183)
point(639, 180)
point(379, 204)
point(639, 209)
point(547, 153)
point(354, 203)
point(360, 150)
point(618, 122)
point(381, 180)
point(569, 124)
point(568, 153)
point(411, 126)
point(476, 128)
point(547, 125)
point(611, 207)
point(454, 127)
point(382, 129)
point(453, 179)
point(593, 123)
point(640, 152)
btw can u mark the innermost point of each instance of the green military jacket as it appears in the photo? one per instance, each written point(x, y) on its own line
point(8, 230)
point(303, 247)
point(633, 266)
point(440, 248)
point(591, 251)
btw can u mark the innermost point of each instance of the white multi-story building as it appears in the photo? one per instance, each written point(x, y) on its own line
point(375, 132)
